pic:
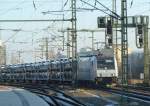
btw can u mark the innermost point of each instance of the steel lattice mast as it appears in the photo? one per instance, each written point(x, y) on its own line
point(74, 40)
point(74, 28)
point(124, 42)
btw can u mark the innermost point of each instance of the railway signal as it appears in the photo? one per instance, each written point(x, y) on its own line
point(107, 23)
point(140, 23)
point(139, 36)
point(101, 22)
point(109, 26)
point(109, 33)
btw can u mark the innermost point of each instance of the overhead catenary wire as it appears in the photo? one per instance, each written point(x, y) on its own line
point(18, 30)
point(15, 7)
point(131, 4)
point(107, 8)
point(65, 3)
point(34, 4)
point(21, 30)
point(79, 9)
point(11, 37)
point(95, 3)
point(113, 16)
point(87, 9)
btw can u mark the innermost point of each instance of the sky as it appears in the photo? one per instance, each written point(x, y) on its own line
point(33, 32)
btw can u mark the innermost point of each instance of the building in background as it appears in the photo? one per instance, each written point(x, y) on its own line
point(2, 53)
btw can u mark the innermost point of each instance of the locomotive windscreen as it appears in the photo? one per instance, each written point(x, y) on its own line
point(105, 63)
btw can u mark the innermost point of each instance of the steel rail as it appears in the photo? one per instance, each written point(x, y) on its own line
point(43, 89)
point(128, 93)
point(142, 88)
point(45, 92)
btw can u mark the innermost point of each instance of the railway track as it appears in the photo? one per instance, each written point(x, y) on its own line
point(135, 87)
point(56, 94)
point(130, 93)
point(137, 92)
point(140, 88)
point(50, 94)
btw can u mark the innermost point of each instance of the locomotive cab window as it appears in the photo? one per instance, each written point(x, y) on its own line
point(103, 63)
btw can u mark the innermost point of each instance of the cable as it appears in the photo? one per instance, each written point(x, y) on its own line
point(84, 3)
point(107, 8)
point(95, 3)
point(11, 37)
point(61, 11)
point(131, 4)
point(66, 3)
point(21, 30)
point(17, 31)
point(34, 5)
point(116, 16)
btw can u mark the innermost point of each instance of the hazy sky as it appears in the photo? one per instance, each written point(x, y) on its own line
point(27, 9)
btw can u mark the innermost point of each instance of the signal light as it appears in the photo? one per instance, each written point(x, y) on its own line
point(108, 22)
point(110, 41)
point(101, 22)
point(109, 27)
point(140, 29)
point(141, 40)
point(109, 30)
point(109, 33)
point(139, 35)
